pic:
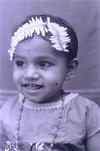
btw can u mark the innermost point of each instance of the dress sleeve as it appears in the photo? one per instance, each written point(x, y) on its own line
point(93, 119)
point(3, 137)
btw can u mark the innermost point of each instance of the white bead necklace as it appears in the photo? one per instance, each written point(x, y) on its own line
point(41, 146)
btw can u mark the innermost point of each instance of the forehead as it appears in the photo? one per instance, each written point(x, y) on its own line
point(37, 47)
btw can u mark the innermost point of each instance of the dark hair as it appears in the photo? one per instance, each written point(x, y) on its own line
point(72, 46)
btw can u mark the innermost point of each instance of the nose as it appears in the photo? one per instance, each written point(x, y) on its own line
point(31, 73)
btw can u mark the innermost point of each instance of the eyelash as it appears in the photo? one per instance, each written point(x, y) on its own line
point(41, 64)
point(19, 63)
point(45, 63)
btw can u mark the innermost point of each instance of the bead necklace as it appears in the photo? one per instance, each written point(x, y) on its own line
point(10, 146)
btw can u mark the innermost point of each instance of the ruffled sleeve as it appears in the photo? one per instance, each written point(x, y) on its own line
point(92, 119)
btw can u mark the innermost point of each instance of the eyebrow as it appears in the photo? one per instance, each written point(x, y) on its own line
point(46, 58)
point(17, 56)
point(38, 57)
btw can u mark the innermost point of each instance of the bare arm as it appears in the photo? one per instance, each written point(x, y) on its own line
point(93, 143)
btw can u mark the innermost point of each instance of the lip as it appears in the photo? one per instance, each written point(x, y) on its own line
point(32, 86)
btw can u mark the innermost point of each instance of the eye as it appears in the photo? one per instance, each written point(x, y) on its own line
point(19, 63)
point(45, 63)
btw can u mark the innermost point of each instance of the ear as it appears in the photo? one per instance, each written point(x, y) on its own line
point(71, 68)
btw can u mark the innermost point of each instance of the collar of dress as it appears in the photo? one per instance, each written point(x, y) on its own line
point(45, 106)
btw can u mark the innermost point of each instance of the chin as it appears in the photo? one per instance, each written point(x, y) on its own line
point(34, 99)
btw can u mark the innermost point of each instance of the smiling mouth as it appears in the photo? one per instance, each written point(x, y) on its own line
point(32, 86)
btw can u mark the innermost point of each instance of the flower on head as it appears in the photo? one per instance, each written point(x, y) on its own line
point(59, 36)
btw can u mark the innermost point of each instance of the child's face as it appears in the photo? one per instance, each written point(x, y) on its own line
point(39, 70)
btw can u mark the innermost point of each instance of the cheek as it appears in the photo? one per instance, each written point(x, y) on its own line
point(16, 75)
point(60, 80)
point(54, 79)
point(58, 83)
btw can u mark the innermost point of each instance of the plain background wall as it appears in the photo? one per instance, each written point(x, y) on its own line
point(83, 15)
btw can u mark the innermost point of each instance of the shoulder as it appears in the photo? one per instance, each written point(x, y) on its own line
point(85, 111)
point(82, 114)
point(8, 105)
point(83, 108)
point(87, 104)
point(81, 102)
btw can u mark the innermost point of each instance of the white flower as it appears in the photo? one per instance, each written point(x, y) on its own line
point(59, 37)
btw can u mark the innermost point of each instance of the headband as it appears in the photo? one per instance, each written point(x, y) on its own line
point(59, 36)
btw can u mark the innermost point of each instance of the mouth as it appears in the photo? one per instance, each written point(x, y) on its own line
point(32, 86)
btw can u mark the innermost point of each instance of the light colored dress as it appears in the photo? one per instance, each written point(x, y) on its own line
point(80, 120)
